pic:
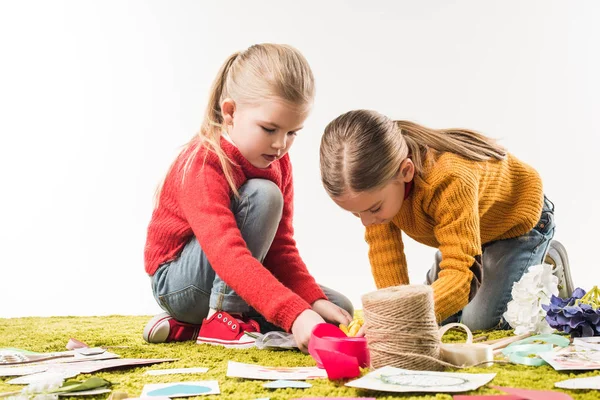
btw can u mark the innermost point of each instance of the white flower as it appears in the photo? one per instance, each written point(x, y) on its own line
point(524, 312)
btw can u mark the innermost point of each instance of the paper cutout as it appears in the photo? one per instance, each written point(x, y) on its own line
point(488, 397)
point(180, 389)
point(73, 344)
point(83, 367)
point(570, 359)
point(591, 382)
point(587, 343)
point(254, 371)
point(391, 379)
point(338, 398)
point(339, 365)
point(197, 370)
point(25, 370)
point(282, 383)
point(51, 375)
point(24, 358)
point(534, 394)
point(92, 392)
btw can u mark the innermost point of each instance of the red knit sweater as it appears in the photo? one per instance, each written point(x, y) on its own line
point(281, 288)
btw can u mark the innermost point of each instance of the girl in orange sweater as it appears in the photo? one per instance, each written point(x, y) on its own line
point(453, 189)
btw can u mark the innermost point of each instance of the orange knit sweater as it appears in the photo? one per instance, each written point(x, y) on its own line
point(456, 205)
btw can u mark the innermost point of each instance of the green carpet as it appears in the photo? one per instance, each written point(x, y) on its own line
point(52, 334)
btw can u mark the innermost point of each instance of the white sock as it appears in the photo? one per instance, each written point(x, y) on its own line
point(210, 313)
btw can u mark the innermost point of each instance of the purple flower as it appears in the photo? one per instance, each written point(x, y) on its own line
point(574, 315)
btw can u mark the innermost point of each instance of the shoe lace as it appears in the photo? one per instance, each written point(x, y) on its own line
point(247, 324)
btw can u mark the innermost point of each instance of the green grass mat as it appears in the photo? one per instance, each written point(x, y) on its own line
point(52, 334)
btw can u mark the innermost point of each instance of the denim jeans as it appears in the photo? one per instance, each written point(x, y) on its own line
point(504, 262)
point(187, 287)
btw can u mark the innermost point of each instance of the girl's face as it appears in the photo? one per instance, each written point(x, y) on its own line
point(379, 206)
point(263, 132)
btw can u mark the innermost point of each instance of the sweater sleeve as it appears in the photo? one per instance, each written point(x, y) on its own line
point(454, 208)
point(283, 258)
point(205, 201)
point(386, 254)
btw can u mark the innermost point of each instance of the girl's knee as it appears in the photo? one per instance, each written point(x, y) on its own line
point(263, 194)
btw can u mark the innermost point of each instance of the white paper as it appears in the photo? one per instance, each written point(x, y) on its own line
point(197, 370)
point(254, 371)
point(76, 368)
point(180, 389)
point(572, 360)
point(50, 375)
point(91, 392)
point(23, 370)
point(587, 343)
point(591, 382)
point(391, 379)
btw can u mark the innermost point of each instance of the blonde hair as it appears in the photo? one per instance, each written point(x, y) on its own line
point(362, 150)
point(262, 71)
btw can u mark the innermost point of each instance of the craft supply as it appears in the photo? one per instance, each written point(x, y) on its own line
point(180, 389)
point(570, 359)
point(527, 351)
point(282, 384)
point(340, 355)
point(401, 328)
point(255, 371)
point(274, 340)
point(465, 354)
point(534, 394)
point(590, 382)
point(353, 327)
point(195, 370)
point(390, 379)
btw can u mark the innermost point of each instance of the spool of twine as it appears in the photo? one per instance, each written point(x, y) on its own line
point(401, 328)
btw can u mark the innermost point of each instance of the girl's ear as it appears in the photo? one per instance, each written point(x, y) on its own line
point(406, 170)
point(227, 111)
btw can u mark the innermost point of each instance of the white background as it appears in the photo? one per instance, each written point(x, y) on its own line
point(97, 97)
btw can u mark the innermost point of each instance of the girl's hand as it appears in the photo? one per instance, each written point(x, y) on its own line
point(361, 332)
point(303, 326)
point(331, 313)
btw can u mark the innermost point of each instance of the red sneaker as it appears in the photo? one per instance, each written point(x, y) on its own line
point(223, 329)
point(163, 328)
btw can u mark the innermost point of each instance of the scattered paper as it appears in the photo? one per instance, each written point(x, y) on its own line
point(335, 398)
point(73, 344)
point(570, 359)
point(391, 379)
point(197, 370)
point(529, 394)
point(92, 392)
point(24, 370)
point(51, 375)
point(72, 369)
point(592, 382)
point(587, 343)
point(282, 383)
point(180, 389)
point(488, 397)
point(254, 371)
point(18, 357)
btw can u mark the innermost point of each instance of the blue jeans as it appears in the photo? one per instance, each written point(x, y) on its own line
point(504, 262)
point(187, 287)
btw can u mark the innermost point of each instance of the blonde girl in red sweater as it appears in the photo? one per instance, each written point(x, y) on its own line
point(220, 249)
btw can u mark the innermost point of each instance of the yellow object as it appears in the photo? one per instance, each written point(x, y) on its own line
point(353, 327)
point(344, 329)
point(456, 205)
